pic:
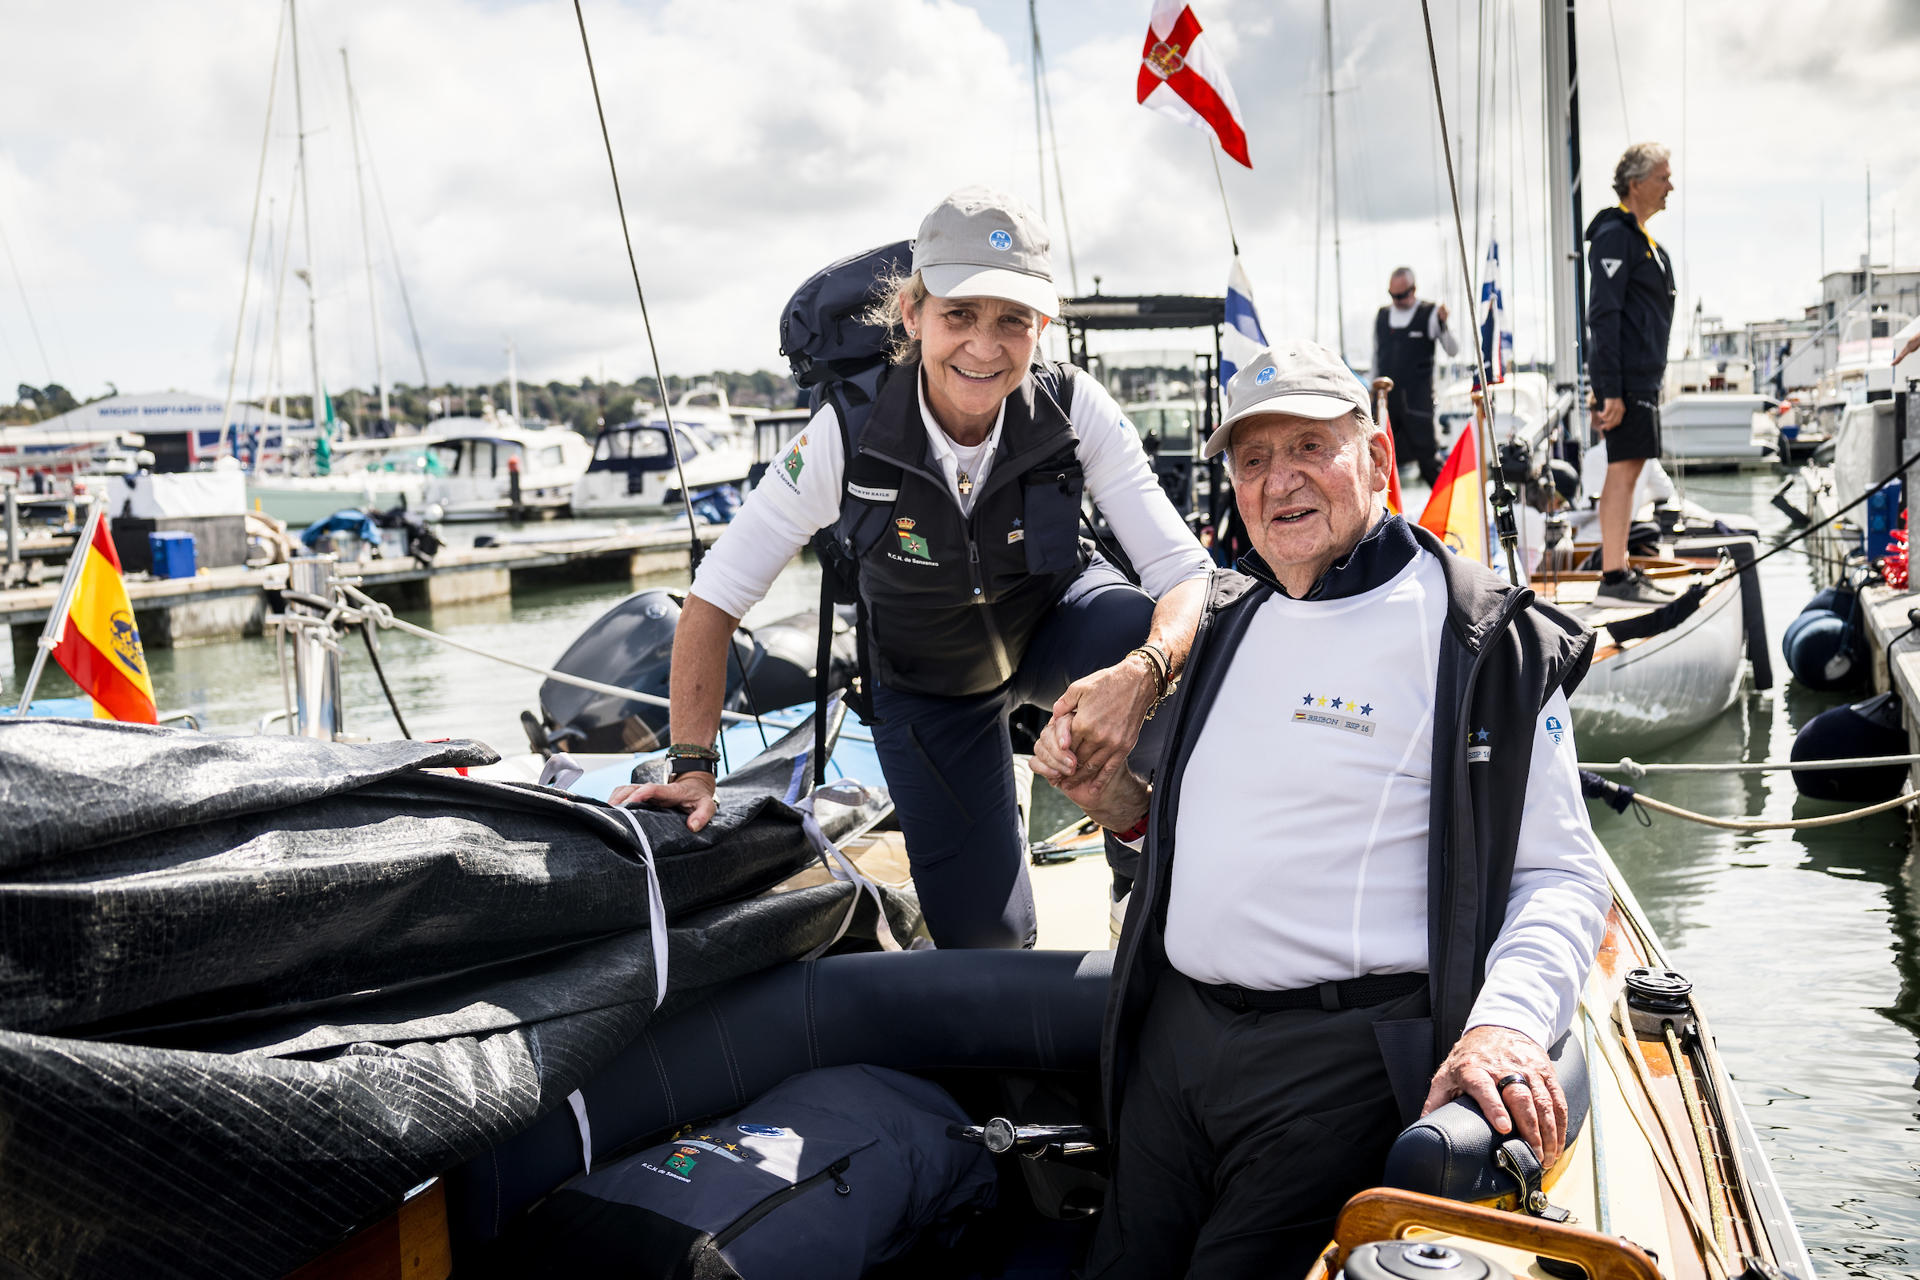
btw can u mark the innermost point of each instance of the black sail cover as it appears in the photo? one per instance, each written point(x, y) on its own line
point(253, 990)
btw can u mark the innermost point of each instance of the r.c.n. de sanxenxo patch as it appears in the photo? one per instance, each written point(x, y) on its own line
point(913, 547)
point(795, 462)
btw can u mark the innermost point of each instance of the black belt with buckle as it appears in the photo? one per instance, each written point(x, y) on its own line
point(1354, 993)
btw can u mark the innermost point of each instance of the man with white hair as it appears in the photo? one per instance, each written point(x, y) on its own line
point(1629, 317)
point(1368, 882)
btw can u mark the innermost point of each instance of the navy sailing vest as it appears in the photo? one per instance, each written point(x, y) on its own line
point(1406, 355)
point(952, 600)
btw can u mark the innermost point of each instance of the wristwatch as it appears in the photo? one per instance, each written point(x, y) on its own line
point(690, 757)
point(677, 765)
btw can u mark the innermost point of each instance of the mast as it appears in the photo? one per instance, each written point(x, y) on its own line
point(1039, 138)
point(1565, 217)
point(513, 385)
point(366, 240)
point(1333, 166)
point(306, 224)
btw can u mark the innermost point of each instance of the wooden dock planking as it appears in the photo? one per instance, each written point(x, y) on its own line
point(219, 604)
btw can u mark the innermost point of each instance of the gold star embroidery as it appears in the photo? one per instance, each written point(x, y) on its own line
point(1323, 702)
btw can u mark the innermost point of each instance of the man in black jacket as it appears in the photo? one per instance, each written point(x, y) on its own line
point(1629, 316)
point(1384, 863)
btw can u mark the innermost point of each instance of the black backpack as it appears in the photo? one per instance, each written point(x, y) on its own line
point(840, 357)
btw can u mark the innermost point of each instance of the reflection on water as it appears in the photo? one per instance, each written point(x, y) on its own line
point(1805, 946)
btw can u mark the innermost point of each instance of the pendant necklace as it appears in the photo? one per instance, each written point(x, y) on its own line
point(964, 484)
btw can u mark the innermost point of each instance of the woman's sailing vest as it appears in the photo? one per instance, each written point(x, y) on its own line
point(950, 600)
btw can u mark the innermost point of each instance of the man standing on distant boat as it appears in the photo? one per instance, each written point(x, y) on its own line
point(1404, 335)
point(1384, 863)
point(959, 501)
point(1629, 317)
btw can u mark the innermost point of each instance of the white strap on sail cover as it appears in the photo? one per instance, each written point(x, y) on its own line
point(656, 906)
point(840, 866)
point(578, 1101)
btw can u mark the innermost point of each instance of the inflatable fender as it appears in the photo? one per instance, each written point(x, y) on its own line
point(1874, 727)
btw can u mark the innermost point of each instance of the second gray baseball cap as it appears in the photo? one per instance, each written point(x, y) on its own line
point(1297, 377)
point(982, 243)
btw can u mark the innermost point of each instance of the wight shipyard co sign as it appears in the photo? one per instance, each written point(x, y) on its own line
point(253, 435)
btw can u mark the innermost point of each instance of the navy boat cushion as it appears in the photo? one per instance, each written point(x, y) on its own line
point(1450, 1152)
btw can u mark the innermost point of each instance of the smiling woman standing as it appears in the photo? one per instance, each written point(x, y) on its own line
point(961, 507)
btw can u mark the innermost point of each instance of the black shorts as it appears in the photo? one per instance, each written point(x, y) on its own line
point(1638, 435)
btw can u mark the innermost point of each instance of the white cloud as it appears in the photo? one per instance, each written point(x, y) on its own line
point(759, 140)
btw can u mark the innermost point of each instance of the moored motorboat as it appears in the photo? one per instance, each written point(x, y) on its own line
point(488, 468)
point(634, 469)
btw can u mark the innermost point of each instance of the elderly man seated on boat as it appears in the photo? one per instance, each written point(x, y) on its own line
point(1386, 893)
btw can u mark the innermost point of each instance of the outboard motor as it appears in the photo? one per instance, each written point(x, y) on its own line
point(1826, 646)
point(1875, 727)
point(631, 646)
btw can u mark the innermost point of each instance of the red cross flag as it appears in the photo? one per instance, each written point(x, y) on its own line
point(1180, 77)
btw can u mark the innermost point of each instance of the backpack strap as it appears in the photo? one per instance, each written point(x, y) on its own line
point(868, 489)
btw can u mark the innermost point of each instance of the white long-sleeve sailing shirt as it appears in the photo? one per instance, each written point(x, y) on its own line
point(1304, 810)
point(801, 494)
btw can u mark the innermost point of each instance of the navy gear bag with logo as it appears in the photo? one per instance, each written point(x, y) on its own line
point(827, 1174)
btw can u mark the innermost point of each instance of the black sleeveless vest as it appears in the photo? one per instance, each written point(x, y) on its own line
point(952, 600)
point(1406, 355)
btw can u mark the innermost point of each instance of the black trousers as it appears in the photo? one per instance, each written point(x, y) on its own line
point(1410, 406)
point(1241, 1134)
point(949, 764)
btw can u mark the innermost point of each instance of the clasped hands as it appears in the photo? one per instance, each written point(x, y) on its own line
point(1083, 750)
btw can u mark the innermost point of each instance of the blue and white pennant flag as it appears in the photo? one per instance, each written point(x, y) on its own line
point(1242, 339)
point(1496, 338)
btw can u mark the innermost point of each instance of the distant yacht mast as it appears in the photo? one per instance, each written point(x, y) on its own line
point(306, 224)
point(366, 240)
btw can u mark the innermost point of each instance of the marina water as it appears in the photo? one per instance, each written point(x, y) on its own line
point(1804, 947)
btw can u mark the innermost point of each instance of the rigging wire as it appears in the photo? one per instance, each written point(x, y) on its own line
point(1059, 179)
point(1619, 74)
point(698, 549)
point(1502, 497)
point(21, 285)
point(260, 316)
point(393, 248)
point(1524, 251)
point(1039, 134)
point(253, 223)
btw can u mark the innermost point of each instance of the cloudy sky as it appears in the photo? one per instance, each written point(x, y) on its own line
point(758, 139)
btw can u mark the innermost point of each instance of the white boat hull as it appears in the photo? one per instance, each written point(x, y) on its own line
point(611, 492)
point(1666, 686)
point(301, 501)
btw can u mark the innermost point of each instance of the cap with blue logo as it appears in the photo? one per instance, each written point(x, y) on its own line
point(1297, 377)
point(981, 243)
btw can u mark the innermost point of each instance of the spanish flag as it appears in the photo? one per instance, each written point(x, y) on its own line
point(101, 647)
point(1455, 513)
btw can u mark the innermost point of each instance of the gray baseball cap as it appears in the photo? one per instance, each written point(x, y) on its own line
point(981, 243)
point(1297, 377)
